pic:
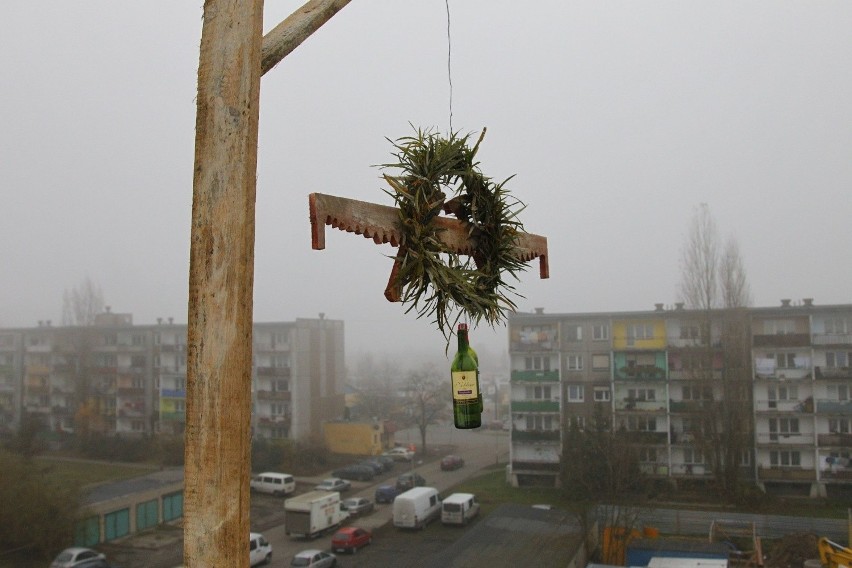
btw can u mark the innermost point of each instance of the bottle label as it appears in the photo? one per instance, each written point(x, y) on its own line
point(464, 385)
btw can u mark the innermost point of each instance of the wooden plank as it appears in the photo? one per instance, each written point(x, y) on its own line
point(380, 223)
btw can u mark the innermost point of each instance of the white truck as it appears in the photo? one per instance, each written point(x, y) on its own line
point(311, 514)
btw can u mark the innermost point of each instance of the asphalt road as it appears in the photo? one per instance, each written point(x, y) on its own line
point(480, 448)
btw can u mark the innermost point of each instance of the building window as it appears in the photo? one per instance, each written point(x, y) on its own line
point(539, 422)
point(745, 458)
point(600, 332)
point(573, 333)
point(837, 359)
point(838, 393)
point(691, 456)
point(642, 424)
point(838, 425)
point(836, 325)
point(785, 392)
point(537, 363)
point(601, 394)
point(575, 362)
point(785, 458)
point(600, 362)
point(697, 393)
point(648, 455)
point(640, 331)
point(576, 393)
point(180, 406)
point(779, 327)
point(137, 339)
point(278, 409)
point(642, 394)
point(689, 331)
point(280, 385)
point(783, 426)
point(538, 393)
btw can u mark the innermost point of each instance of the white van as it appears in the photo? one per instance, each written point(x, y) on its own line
point(459, 508)
point(415, 508)
point(260, 551)
point(277, 484)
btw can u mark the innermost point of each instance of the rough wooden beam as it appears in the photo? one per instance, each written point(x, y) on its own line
point(221, 276)
point(289, 34)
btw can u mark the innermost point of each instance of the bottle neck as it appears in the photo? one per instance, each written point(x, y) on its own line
point(463, 341)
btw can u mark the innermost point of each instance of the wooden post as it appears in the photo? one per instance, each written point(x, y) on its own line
point(221, 277)
point(221, 271)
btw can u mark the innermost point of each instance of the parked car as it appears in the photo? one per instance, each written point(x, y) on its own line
point(451, 462)
point(357, 505)
point(386, 461)
point(76, 556)
point(355, 472)
point(313, 558)
point(378, 467)
point(408, 480)
point(386, 493)
point(274, 483)
point(400, 454)
point(350, 539)
point(334, 484)
point(260, 551)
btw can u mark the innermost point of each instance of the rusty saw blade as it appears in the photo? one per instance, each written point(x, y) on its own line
point(381, 224)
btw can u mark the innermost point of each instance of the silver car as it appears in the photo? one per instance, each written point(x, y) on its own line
point(313, 558)
point(76, 556)
point(334, 484)
point(358, 505)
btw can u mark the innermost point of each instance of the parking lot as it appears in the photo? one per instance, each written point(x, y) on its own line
point(390, 547)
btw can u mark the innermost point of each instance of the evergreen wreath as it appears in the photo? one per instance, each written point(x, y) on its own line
point(434, 279)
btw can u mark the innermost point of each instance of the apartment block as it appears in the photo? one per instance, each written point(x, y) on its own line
point(117, 378)
point(669, 378)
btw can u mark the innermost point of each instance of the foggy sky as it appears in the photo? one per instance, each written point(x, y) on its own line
point(617, 119)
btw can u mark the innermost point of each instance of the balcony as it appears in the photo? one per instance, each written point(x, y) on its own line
point(535, 406)
point(695, 375)
point(839, 407)
point(693, 470)
point(633, 405)
point(796, 406)
point(785, 439)
point(782, 340)
point(834, 440)
point(785, 474)
point(641, 372)
point(832, 339)
point(173, 393)
point(535, 435)
point(273, 420)
point(654, 469)
point(173, 416)
point(801, 374)
point(690, 406)
point(131, 391)
point(648, 438)
point(833, 373)
point(535, 376)
point(273, 372)
point(273, 395)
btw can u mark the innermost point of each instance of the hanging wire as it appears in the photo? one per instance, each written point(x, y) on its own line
point(449, 66)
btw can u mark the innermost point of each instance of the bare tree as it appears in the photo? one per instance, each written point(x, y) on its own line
point(428, 399)
point(714, 285)
point(82, 304)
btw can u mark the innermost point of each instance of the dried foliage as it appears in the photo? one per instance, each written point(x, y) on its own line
point(442, 174)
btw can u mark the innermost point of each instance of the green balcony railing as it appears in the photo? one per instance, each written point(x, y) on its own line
point(535, 376)
point(535, 406)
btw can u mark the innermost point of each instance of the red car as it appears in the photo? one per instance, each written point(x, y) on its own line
point(350, 539)
point(451, 462)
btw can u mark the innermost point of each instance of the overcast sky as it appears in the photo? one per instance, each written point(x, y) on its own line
point(617, 119)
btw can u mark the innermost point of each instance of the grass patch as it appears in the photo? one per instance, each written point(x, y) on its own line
point(82, 473)
point(491, 491)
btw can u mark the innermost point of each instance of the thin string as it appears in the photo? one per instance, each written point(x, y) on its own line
point(449, 67)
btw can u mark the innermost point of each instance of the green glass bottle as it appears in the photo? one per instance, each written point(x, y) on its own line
point(464, 371)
